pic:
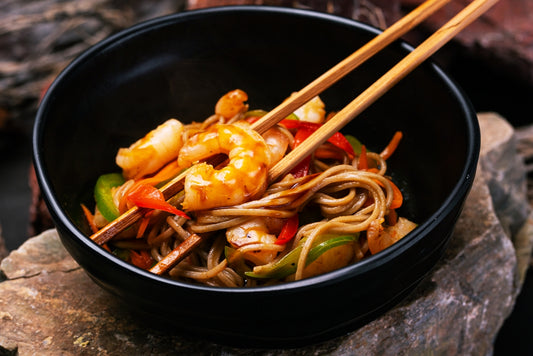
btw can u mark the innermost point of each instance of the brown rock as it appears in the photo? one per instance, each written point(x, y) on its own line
point(503, 164)
point(504, 171)
point(48, 305)
point(29, 260)
point(39, 38)
point(460, 307)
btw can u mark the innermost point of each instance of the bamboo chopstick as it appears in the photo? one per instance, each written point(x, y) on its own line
point(365, 99)
point(327, 79)
point(475, 9)
point(351, 62)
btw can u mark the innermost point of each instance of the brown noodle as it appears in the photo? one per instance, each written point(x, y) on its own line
point(349, 200)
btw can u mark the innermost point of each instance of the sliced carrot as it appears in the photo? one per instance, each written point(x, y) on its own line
point(169, 171)
point(141, 259)
point(144, 224)
point(90, 218)
point(393, 144)
point(397, 197)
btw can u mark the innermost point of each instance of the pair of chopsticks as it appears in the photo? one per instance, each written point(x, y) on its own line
point(464, 18)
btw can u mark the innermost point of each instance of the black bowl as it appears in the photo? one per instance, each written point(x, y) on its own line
point(178, 66)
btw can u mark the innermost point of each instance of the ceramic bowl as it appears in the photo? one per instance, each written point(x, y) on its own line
point(178, 66)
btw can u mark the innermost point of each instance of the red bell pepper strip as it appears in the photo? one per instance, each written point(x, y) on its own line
point(362, 164)
point(302, 169)
point(147, 196)
point(330, 152)
point(341, 142)
point(288, 231)
point(337, 138)
point(252, 119)
point(297, 124)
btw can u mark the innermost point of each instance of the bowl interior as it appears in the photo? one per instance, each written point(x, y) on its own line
point(134, 83)
point(180, 65)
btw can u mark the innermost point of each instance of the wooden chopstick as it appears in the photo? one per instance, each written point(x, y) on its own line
point(351, 62)
point(475, 9)
point(327, 79)
point(365, 99)
point(176, 255)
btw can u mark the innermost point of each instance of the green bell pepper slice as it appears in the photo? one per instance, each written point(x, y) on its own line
point(287, 265)
point(356, 144)
point(104, 197)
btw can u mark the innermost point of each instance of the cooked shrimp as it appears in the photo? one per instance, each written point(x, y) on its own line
point(244, 177)
point(312, 111)
point(256, 233)
point(153, 151)
point(277, 142)
point(231, 103)
point(277, 138)
point(379, 238)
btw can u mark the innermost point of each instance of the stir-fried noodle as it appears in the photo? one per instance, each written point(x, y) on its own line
point(334, 209)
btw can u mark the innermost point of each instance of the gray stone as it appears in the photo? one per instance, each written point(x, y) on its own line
point(504, 172)
point(29, 260)
point(49, 306)
point(504, 169)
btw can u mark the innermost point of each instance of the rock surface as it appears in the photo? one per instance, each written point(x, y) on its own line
point(49, 306)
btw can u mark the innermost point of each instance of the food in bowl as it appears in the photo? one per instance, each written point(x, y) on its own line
point(334, 208)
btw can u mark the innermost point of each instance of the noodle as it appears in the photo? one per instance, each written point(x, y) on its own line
point(342, 207)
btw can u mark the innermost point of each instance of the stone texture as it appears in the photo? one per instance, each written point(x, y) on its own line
point(508, 185)
point(29, 260)
point(49, 306)
point(39, 38)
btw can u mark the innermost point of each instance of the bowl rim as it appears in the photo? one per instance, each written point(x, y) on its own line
point(460, 189)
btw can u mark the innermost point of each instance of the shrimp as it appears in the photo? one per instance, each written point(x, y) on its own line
point(244, 178)
point(277, 142)
point(153, 151)
point(312, 111)
point(256, 232)
point(277, 139)
point(379, 238)
point(231, 103)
